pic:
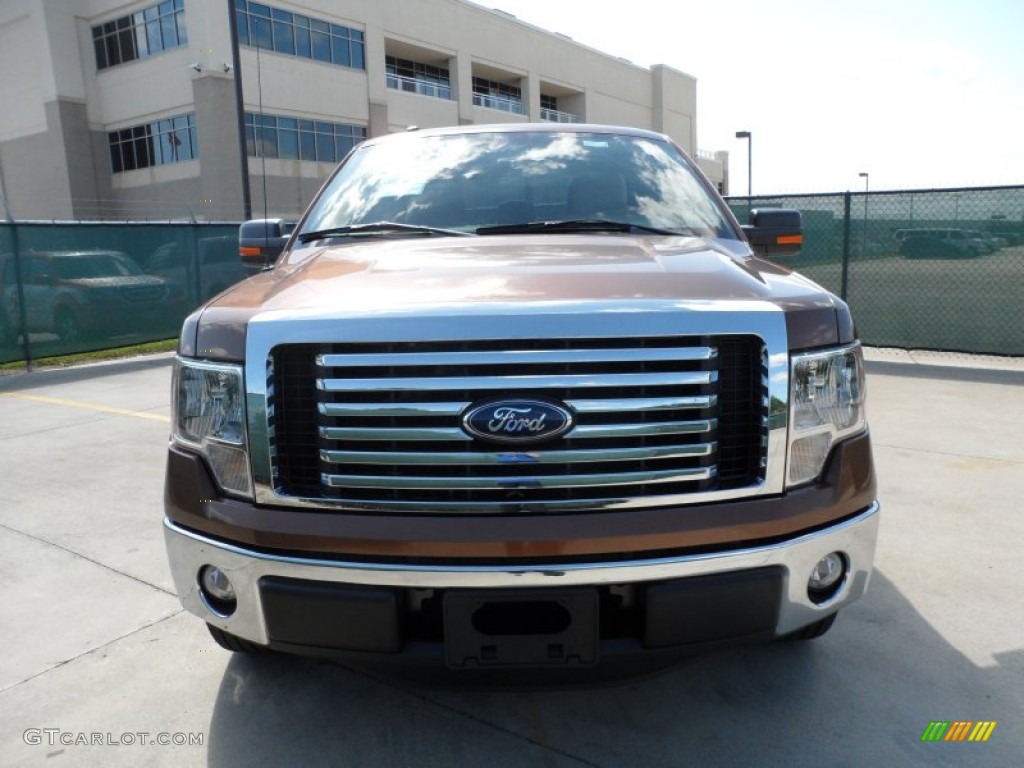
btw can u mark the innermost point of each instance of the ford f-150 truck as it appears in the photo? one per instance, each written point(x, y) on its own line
point(520, 398)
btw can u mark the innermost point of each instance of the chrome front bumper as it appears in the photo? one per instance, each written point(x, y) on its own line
point(188, 552)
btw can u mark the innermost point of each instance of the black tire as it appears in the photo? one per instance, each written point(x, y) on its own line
point(232, 643)
point(811, 631)
point(66, 325)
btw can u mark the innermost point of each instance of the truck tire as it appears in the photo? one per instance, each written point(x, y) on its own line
point(811, 631)
point(232, 643)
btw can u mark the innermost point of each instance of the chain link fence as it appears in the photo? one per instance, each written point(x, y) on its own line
point(78, 287)
point(925, 269)
point(922, 270)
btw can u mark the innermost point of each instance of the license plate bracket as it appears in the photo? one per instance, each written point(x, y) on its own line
point(521, 628)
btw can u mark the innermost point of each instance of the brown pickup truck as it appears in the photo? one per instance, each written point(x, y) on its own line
point(521, 398)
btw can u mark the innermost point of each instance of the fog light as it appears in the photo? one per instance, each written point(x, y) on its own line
point(826, 577)
point(217, 590)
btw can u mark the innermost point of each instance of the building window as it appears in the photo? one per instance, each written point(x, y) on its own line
point(507, 98)
point(413, 77)
point(271, 29)
point(172, 140)
point(141, 34)
point(549, 111)
point(294, 139)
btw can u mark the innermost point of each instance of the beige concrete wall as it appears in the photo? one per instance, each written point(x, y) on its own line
point(48, 43)
point(23, 95)
point(302, 88)
point(715, 170)
point(674, 105)
point(474, 35)
point(408, 109)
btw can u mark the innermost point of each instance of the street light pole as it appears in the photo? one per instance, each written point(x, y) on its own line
point(750, 159)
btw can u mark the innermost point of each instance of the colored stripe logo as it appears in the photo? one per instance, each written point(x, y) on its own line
point(958, 730)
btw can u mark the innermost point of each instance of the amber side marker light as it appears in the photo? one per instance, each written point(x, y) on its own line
point(789, 240)
point(246, 250)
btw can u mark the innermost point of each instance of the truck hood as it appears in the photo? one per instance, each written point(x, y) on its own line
point(406, 273)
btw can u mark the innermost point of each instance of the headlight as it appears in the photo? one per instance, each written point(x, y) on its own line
point(826, 405)
point(209, 417)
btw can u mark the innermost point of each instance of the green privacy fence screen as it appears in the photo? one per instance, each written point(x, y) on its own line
point(78, 287)
point(925, 269)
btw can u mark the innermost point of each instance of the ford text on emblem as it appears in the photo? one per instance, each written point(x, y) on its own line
point(517, 421)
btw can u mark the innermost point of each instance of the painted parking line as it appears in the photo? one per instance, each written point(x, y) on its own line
point(87, 406)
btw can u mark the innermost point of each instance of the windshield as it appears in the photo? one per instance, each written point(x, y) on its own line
point(476, 181)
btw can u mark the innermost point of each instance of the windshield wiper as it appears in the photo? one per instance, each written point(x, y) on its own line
point(377, 228)
point(574, 225)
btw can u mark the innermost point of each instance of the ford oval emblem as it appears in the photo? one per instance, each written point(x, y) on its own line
point(517, 421)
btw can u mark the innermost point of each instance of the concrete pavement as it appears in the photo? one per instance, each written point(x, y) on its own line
point(96, 648)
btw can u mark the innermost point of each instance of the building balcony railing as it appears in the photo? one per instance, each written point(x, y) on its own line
point(504, 103)
point(421, 87)
point(555, 116)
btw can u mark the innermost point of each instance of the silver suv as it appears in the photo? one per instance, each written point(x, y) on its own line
point(72, 294)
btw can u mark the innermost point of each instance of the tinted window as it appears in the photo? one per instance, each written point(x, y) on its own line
point(139, 35)
point(262, 26)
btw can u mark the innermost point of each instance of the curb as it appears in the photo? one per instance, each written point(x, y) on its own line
point(64, 374)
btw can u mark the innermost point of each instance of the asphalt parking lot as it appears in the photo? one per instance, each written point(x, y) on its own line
point(97, 650)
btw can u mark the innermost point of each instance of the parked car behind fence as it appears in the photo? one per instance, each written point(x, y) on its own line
point(940, 243)
point(72, 296)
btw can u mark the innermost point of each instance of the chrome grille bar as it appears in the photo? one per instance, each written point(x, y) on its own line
point(337, 410)
point(640, 404)
point(518, 357)
point(584, 431)
point(434, 458)
point(611, 405)
point(514, 382)
point(526, 481)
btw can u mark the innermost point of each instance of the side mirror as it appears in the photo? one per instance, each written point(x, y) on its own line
point(260, 241)
point(774, 232)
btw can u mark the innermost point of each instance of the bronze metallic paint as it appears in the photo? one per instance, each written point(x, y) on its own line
point(847, 487)
point(430, 273)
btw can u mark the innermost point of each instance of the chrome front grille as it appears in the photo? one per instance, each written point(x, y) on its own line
point(378, 425)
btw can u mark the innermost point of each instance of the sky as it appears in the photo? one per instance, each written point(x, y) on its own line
point(915, 93)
